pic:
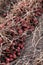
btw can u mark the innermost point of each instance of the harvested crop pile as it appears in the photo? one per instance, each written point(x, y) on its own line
point(21, 18)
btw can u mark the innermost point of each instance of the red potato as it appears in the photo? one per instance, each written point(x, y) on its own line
point(18, 53)
point(19, 44)
point(7, 50)
point(11, 55)
point(23, 38)
point(39, 10)
point(11, 58)
point(38, 14)
point(1, 26)
point(20, 32)
point(2, 63)
point(32, 28)
point(7, 60)
point(18, 48)
point(14, 56)
point(35, 20)
point(14, 52)
point(5, 14)
point(22, 46)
